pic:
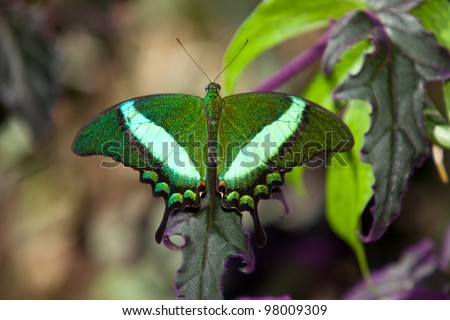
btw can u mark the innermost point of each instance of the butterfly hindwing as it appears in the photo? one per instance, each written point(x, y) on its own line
point(161, 136)
point(264, 135)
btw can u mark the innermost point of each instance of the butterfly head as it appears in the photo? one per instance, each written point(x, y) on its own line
point(212, 87)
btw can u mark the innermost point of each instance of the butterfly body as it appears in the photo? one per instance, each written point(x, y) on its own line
point(239, 146)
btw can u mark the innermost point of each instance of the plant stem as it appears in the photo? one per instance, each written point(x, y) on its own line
point(301, 62)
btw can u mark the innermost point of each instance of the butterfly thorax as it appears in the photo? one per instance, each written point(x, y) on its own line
point(213, 103)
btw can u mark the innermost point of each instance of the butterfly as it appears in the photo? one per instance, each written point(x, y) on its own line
point(239, 146)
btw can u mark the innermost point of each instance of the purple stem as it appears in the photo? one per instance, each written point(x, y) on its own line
point(301, 62)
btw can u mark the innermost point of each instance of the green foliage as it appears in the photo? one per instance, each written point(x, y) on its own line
point(392, 79)
point(437, 126)
point(345, 205)
point(434, 16)
point(275, 21)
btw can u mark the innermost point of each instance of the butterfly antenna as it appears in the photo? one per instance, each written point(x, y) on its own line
point(193, 60)
point(232, 60)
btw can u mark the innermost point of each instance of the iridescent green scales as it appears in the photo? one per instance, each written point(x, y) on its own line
point(150, 175)
point(273, 178)
point(162, 187)
point(261, 190)
point(181, 144)
point(189, 194)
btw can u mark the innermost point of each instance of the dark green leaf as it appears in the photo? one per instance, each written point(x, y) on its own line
point(27, 75)
point(211, 236)
point(340, 42)
point(392, 80)
point(275, 21)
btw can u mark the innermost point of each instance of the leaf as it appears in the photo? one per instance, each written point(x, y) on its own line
point(343, 212)
point(392, 81)
point(27, 73)
point(398, 5)
point(321, 88)
point(447, 98)
point(438, 128)
point(434, 16)
point(211, 236)
point(346, 204)
point(275, 21)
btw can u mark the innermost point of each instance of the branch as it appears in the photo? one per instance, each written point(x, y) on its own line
point(301, 62)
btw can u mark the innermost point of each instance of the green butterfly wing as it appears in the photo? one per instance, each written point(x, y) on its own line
point(264, 135)
point(162, 137)
point(260, 136)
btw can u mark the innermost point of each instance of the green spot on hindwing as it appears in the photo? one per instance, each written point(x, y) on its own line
point(150, 175)
point(261, 189)
point(234, 195)
point(189, 194)
point(273, 178)
point(176, 197)
point(162, 186)
point(247, 200)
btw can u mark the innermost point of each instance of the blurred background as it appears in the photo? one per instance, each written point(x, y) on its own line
point(70, 229)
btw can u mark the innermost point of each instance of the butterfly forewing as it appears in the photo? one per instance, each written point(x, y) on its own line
point(242, 137)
